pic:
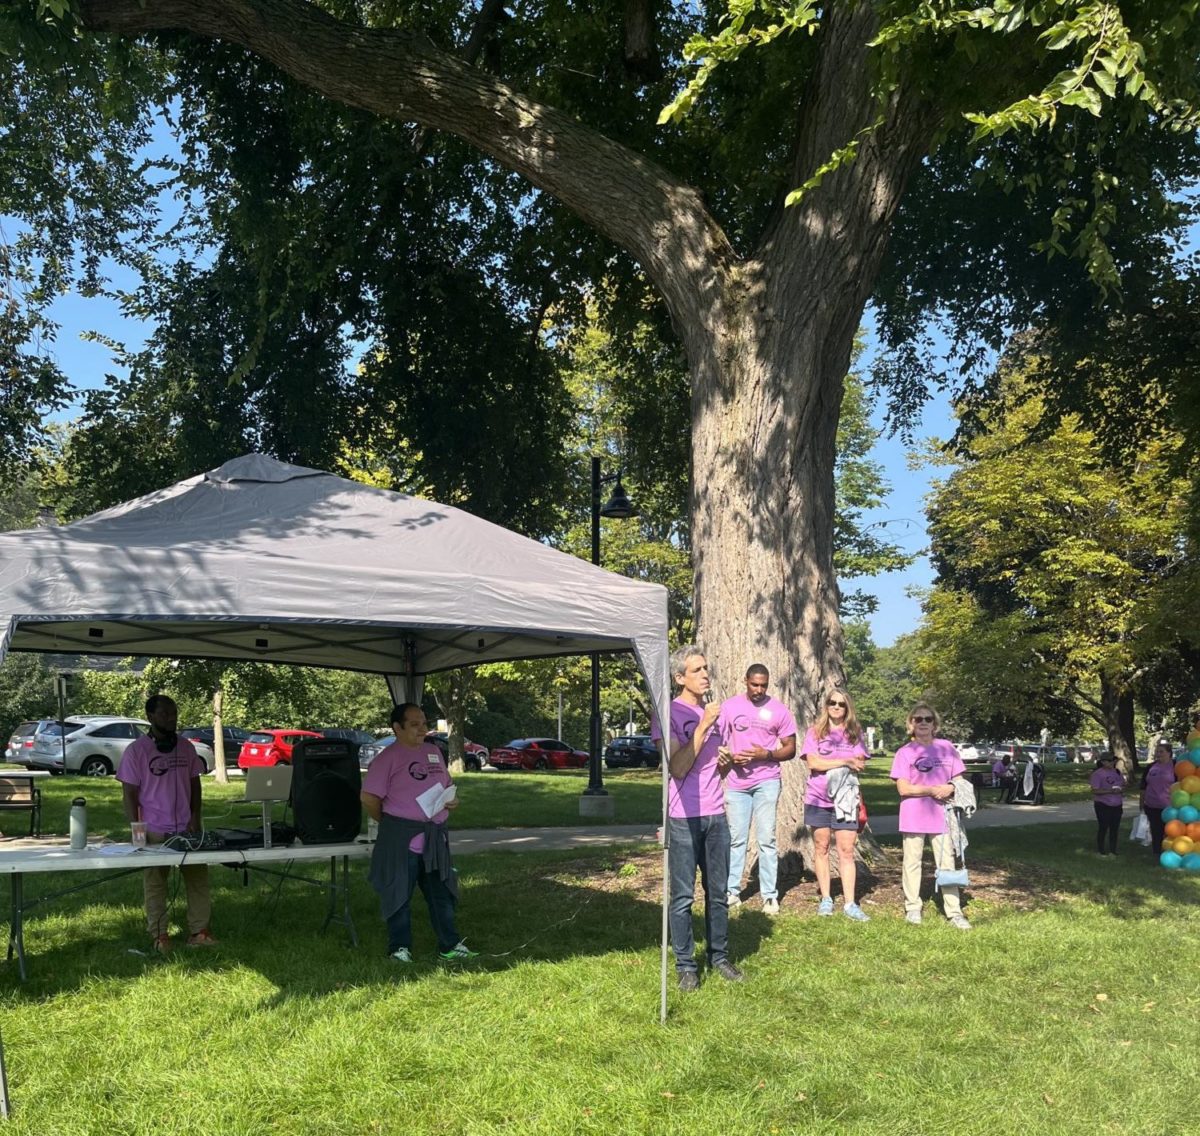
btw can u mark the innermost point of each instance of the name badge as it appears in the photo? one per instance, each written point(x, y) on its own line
point(434, 758)
point(765, 715)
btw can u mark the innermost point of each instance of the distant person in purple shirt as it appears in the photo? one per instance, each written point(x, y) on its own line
point(1157, 780)
point(1108, 787)
point(758, 732)
point(834, 741)
point(924, 770)
point(697, 831)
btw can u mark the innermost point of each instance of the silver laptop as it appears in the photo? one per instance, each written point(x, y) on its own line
point(268, 782)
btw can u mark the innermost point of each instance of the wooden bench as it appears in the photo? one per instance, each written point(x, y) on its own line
point(19, 794)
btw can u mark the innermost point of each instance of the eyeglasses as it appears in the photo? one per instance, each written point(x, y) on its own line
point(835, 702)
point(922, 717)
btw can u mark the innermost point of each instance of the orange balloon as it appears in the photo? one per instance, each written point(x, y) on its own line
point(1191, 784)
point(1182, 844)
point(1193, 830)
point(1174, 828)
point(1183, 769)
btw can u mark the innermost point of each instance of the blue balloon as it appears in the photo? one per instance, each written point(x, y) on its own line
point(1188, 813)
point(1170, 814)
point(1191, 862)
point(1171, 860)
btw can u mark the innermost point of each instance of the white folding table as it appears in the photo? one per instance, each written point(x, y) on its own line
point(21, 858)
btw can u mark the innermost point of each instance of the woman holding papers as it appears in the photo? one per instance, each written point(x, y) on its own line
point(407, 789)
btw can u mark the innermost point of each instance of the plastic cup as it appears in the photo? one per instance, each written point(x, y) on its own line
point(138, 833)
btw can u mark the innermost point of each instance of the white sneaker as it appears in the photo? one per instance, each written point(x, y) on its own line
point(961, 922)
point(401, 954)
point(732, 899)
point(913, 917)
point(770, 907)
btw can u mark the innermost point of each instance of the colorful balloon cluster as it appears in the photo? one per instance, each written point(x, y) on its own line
point(1181, 846)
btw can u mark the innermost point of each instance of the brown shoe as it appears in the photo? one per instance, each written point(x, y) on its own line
point(162, 944)
point(203, 938)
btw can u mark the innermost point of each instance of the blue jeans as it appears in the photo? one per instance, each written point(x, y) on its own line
point(698, 842)
point(761, 801)
point(441, 909)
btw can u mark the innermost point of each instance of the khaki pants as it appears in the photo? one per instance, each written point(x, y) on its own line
point(943, 857)
point(199, 900)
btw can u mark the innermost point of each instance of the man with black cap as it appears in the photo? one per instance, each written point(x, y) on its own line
point(405, 791)
point(160, 775)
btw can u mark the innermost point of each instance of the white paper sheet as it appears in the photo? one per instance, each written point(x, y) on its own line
point(434, 799)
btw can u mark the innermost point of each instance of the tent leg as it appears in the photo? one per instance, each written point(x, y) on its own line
point(5, 1107)
point(662, 1012)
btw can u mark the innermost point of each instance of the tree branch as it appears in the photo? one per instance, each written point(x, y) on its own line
point(659, 220)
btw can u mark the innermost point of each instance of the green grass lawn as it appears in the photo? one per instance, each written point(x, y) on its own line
point(1070, 1011)
point(487, 800)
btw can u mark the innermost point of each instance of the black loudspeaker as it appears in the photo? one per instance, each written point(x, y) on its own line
point(326, 783)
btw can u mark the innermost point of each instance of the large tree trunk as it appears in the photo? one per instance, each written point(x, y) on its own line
point(768, 336)
point(1116, 702)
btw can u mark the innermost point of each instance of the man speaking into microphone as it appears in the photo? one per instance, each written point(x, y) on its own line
point(698, 835)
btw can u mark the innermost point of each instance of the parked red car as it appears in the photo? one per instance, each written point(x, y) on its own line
point(538, 753)
point(271, 747)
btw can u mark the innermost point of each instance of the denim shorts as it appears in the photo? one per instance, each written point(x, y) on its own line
point(817, 817)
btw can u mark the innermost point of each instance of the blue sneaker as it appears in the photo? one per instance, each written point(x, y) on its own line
point(853, 911)
point(825, 907)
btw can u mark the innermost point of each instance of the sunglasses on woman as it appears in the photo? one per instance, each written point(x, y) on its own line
point(922, 717)
point(835, 702)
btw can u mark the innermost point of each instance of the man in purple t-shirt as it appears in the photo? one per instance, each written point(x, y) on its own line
point(759, 732)
point(697, 831)
point(160, 779)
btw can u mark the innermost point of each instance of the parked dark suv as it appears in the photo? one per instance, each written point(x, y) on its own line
point(631, 751)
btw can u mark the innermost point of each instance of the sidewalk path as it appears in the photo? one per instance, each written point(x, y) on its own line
point(469, 840)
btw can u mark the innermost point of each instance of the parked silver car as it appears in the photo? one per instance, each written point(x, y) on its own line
point(20, 745)
point(93, 744)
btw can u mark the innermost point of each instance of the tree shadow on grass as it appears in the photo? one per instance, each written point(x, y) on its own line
point(514, 909)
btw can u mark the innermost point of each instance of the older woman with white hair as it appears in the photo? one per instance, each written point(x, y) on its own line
point(924, 771)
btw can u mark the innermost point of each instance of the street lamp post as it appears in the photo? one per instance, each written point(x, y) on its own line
point(595, 800)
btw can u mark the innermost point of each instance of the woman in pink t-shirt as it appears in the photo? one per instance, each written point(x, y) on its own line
point(924, 770)
point(834, 741)
point(1157, 782)
point(1107, 788)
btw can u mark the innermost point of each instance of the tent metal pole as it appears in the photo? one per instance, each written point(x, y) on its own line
point(5, 1107)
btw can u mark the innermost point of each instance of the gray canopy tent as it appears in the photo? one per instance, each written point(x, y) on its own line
point(271, 562)
point(261, 560)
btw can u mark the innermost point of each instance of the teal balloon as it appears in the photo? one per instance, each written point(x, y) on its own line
point(1191, 862)
point(1170, 814)
point(1180, 797)
point(1188, 813)
point(1171, 860)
